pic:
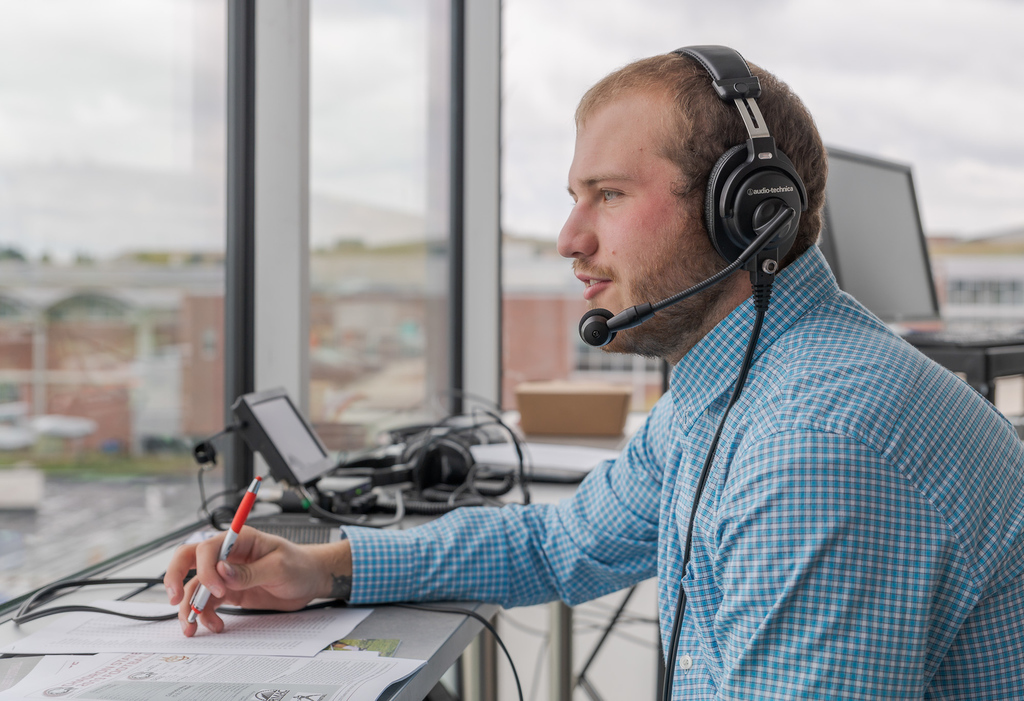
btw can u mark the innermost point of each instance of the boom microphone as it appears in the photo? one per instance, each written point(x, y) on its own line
point(599, 326)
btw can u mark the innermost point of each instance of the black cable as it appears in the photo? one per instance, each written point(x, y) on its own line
point(487, 485)
point(45, 594)
point(762, 294)
point(222, 610)
point(524, 479)
point(220, 515)
point(18, 620)
point(421, 507)
point(342, 520)
point(206, 457)
point(26, 613)
point(487, 624)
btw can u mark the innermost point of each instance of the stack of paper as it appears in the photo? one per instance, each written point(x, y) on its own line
point(330, 676)
point(273, 657)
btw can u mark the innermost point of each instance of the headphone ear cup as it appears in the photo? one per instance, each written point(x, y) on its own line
point(723, 168)
point(735, 197)
point(446, 460)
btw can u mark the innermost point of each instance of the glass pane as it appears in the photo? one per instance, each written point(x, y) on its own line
point(111, 274)
point(378, 212)
point(554, 50)
point(542, 82)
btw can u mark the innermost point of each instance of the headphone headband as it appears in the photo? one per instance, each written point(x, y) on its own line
point(729, 73)
point(732, 80)
point(750, 181)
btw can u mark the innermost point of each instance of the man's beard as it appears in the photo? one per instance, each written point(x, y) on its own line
point(673, 331)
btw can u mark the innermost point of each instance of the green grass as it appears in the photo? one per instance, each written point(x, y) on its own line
point(89, 465)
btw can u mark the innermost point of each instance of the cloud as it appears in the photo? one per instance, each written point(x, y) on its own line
point(924, 83)
point(102, 81)
point(931, 83)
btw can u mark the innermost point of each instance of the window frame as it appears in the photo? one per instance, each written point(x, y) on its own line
point(267, 295)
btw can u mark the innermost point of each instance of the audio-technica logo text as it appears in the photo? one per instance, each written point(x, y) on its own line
point(770, 190)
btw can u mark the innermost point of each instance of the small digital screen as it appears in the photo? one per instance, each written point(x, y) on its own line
point(289, 434)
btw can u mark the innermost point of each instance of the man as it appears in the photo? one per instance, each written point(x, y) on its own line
point(860, 531)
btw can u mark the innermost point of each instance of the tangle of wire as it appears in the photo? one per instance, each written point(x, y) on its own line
point(442, 498)
point(362, 520)
point(223, 514)
point(483, 403)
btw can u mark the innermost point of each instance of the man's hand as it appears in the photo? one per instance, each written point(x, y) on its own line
point(262, 572)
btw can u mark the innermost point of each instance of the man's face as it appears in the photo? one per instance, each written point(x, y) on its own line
point(629, 237)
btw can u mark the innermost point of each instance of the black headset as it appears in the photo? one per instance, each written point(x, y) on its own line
point(752, 203)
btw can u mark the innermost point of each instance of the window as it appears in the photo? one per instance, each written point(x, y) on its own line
point(111, 263)
point(985, 292)
point(378, 212)
point(542, 301)
point(553, 50)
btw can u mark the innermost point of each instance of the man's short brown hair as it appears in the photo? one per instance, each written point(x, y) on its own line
point(703, 127)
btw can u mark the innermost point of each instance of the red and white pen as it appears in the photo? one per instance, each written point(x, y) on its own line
point(202, 594)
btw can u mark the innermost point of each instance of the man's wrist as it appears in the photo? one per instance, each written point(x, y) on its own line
point(338, 570)
point(341, 581)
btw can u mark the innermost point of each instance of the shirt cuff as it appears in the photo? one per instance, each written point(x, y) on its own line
point(385, 565)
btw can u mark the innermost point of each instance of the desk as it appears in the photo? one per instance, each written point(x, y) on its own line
point(980, 364)
point(438, 638)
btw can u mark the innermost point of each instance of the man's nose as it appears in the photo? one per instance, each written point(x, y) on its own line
point(577, 238)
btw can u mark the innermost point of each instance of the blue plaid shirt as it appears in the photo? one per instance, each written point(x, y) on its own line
point(860, 534)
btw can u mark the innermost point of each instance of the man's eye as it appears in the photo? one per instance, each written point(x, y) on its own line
point(609, 195)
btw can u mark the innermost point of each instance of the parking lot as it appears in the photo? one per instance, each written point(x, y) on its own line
point(81, 522)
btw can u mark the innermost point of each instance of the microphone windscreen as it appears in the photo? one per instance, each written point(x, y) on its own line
point(594, 328)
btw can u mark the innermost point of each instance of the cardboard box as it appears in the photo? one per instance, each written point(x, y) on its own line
point(572, 408)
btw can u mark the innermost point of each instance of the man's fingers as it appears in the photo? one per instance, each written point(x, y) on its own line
point(210, 619)
point(189, 629)
point(183, 560)
point(207, 555)
point(257, 562)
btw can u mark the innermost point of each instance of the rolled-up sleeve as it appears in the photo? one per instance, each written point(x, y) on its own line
point(600, 540)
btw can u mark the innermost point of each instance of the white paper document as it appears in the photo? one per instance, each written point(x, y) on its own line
point(299, 634)
point(330, 676)
point(544, 456)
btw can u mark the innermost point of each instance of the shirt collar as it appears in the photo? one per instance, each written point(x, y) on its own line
point(710, 367)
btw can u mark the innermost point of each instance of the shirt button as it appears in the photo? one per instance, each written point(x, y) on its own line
point(685, 662)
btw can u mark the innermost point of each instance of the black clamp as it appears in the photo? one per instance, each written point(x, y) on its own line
point(204, 452)
point(738, 88)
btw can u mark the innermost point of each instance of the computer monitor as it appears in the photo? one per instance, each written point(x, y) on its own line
point(873, 239)
point(272, 426)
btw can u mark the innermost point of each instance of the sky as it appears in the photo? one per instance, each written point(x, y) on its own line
point(932, 84)
point(104, 81)
point(124, 85)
